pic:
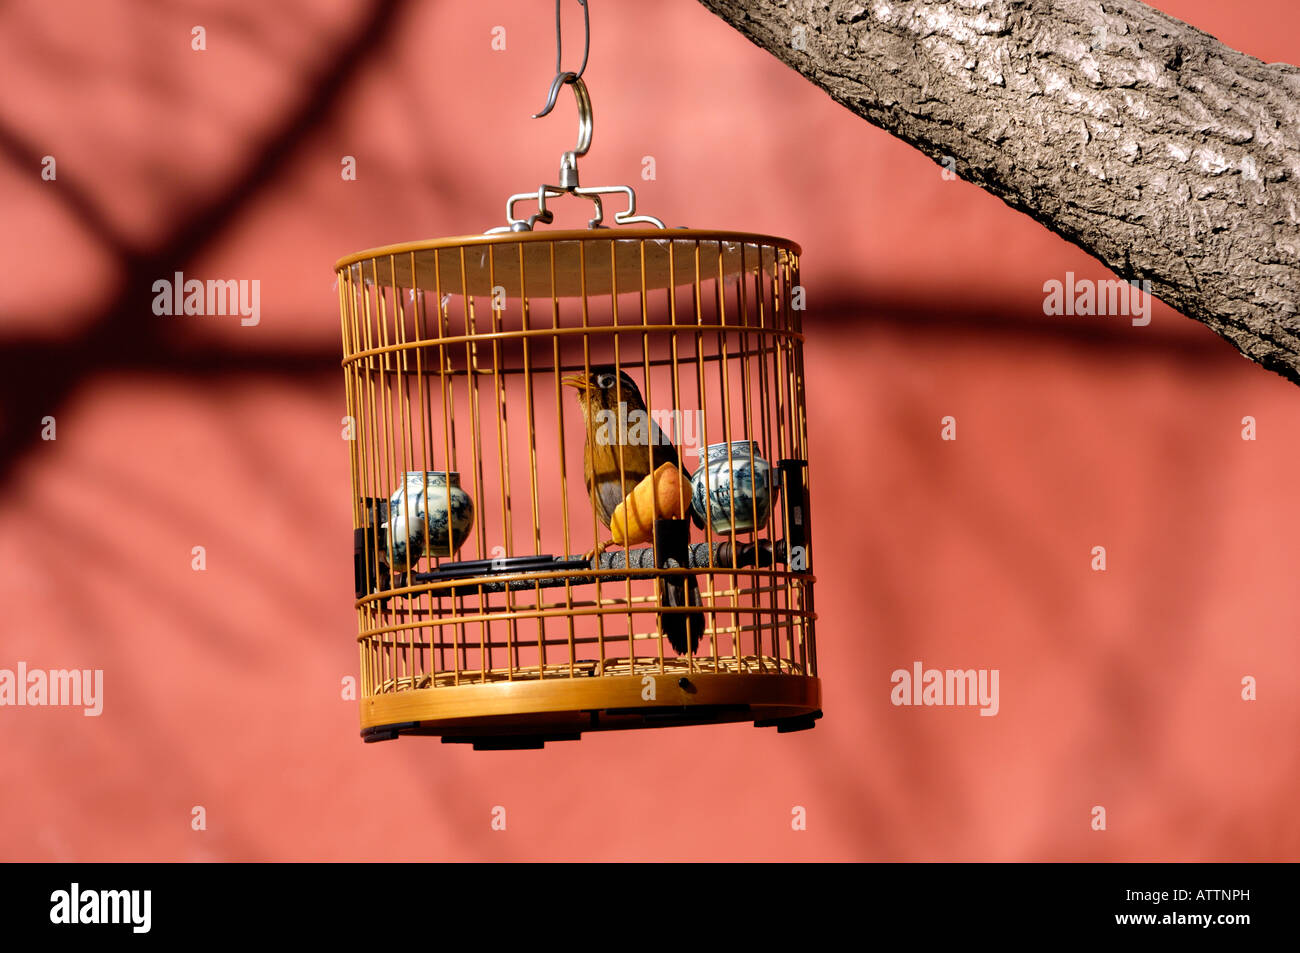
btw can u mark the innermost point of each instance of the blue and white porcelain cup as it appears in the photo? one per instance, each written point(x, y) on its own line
point(746, 485)
point(435, 497)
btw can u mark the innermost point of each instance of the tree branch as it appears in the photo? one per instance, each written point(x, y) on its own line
point(1166, 154)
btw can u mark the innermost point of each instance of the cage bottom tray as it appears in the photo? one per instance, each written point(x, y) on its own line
point(526, 708)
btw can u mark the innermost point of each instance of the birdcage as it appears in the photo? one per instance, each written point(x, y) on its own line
point(579, 478)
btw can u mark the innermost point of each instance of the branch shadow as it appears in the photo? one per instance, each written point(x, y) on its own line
point(112, 338)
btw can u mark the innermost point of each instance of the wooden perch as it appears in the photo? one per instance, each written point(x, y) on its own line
point(1166, 154)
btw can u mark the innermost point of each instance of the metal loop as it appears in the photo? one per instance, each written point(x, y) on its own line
point(586, 38)
point(561, 76)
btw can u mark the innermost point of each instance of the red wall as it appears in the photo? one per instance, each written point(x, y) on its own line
point(222, 688)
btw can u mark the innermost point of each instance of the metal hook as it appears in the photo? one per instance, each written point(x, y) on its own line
point(562, 76)
point(559, 43)
point(586, 120)
point(569, 161)
point(569, 184)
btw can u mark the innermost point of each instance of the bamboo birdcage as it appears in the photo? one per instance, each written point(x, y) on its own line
point(453, 353)
point(488, 609)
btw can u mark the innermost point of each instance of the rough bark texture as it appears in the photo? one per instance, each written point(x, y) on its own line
point(1165, 153)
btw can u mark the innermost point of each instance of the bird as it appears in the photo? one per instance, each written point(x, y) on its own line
point(600, 391)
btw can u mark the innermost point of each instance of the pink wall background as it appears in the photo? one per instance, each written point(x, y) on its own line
point(222, 688)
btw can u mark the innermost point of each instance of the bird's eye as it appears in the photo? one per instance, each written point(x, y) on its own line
point(606, 381)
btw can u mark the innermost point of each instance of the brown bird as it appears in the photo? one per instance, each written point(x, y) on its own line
point(627, 438)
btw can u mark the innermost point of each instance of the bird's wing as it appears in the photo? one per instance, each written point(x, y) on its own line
point(602, 510)
point(662, 450)
point(608, 495)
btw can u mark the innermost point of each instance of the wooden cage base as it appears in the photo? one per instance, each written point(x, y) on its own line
point(526, 713)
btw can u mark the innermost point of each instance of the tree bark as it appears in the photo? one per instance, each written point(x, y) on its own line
point(1166, 154)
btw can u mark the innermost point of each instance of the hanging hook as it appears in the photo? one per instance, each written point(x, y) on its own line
point(569, 161)
point(560, 74)
point(569, 184)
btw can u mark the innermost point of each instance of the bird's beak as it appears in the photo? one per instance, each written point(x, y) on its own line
point(575, 380)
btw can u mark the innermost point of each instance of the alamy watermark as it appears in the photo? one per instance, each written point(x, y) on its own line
point(632, 428)
point(130, 907)
point(946, 687)
point(178, 295)
point(55, 688)
point(1108, 297)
